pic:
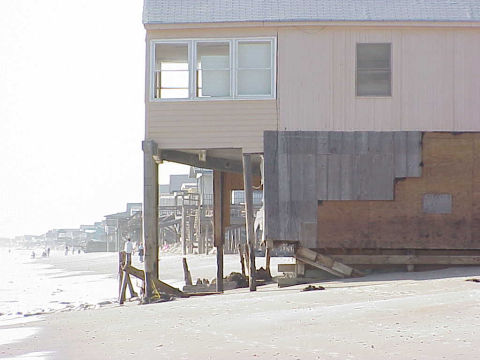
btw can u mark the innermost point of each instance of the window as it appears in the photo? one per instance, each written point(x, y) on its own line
point(254, 68)
point(374, 70)
point(214, 69)
point(171, 73)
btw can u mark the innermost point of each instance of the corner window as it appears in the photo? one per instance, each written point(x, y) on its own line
point(171, 73)
point(374, 70)
point(213, 69)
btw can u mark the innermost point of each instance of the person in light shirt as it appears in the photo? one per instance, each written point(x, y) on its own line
point(128, 250)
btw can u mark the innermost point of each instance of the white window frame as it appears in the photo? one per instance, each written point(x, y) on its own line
point(194, 65)
point(391, 72)
point(192, 55)
point(272, 67)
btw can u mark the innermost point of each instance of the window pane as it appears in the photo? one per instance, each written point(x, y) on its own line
point(172, 60)
point(213, 64)
point(373, 56)
point(254, 82)
point(214, 83)
point(171, 55)
point(174, 93)
point(255, 55)
point(373, 83)
point(174, 79)
point(374, 70)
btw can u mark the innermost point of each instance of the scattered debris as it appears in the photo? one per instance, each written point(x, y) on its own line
point(240, 279)
point(263, 275)
point(202, 282)
point(313, 287)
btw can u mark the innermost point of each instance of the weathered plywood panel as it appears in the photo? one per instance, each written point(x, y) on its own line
point(476, 189)
point(342, 223)
point(270, 186)
point(314, 166)
point(451, 167)
point(400, 148)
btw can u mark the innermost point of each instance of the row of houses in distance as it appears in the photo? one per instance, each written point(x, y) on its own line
point(110, 233)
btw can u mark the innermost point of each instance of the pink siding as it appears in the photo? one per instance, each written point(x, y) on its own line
point(435, 80)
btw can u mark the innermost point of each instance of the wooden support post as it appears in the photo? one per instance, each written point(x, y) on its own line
point(184, 228)
point(242, 258)
point(121, 264)
point(218, 224)
point(207, 236)
point(246, 256)
point(198, 227)
point(191, 224)
point(248, 185)
point(150, 215)
point(186, 272)
point(268, 254)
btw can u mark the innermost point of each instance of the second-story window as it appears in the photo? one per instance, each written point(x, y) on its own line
point(213, 65)
point(171, 72)
point(213, 69)
point(254, 68)
point(374, 70)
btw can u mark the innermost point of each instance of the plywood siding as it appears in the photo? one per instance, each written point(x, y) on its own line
point(435, 80)
point(451, 165)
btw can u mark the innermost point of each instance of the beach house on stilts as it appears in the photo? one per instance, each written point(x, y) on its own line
point(360, 118)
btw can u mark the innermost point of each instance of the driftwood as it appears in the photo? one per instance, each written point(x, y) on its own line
point(188, 276)
point(159, 285)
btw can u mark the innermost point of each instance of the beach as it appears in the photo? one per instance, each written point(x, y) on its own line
point(421, 315)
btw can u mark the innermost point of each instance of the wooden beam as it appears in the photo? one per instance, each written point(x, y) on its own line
point(249, 217)
point(156, 284)
point(218, 224)
point(150, 215)
point(214, 163)
point(407, 259)
point(286, 268)
point(325, 263)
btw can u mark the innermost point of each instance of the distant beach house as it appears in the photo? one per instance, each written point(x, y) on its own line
point(361, 118)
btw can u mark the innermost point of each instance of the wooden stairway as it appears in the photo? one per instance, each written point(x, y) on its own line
point(310, 257)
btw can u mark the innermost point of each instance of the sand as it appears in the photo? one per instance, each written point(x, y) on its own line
point(428, 315)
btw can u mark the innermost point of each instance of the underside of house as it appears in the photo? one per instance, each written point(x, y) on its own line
point(370, 200)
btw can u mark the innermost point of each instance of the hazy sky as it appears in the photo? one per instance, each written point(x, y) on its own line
point(71, 112)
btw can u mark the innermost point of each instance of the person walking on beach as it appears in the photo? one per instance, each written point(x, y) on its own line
point(128, 250)
point(66, 250)
point(48, 252)
point(141, 252)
